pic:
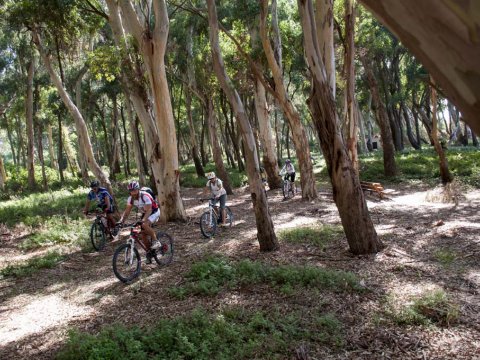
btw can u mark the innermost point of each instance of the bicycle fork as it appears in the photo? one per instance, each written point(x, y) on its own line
point(129, 255)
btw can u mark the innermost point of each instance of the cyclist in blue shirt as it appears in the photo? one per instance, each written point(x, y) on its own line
point(104, 199)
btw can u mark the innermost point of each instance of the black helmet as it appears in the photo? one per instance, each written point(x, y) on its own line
point(94, 183)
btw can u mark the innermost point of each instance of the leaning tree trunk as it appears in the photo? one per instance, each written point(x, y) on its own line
point(82, 133)
point(216, 150)
point(152, 45)
point(265, 230)
point(444, 172)
point(347, 192)
point(389, 164)
point(29, 117)
point(351, 114)
point(443, 36)
point(299, 136)
point(324, 20)
point(78, 102)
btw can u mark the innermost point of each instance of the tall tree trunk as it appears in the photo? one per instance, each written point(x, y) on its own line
point(351, 113)
point(216, 150)
point(265, 230)
point(82, 162)
point(389, 164)
point(22, 159)
point(411, 137)
point(51, 150)
point(270, 162)
point(115, 162)
point(137, 149)
point(361, 122)
point(152, 45)
point(444, 172)
point(60, 149)
point(84, 139)
point(416, 24)
point(125, 148)
point(299, 136)
point(11, 142)
point(3, 174)
point(324, 20)
point(347, 192)
point(29, 118)
point(40, 155)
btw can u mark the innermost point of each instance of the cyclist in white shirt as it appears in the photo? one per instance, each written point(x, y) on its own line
point(215, 186)
point(289, 172)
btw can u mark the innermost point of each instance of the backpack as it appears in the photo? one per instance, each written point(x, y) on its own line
point(149, 192)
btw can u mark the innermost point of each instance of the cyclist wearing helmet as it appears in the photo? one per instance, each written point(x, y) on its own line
point(104, 199)
point(215, 185)
point(150, 214)
point(289, 172)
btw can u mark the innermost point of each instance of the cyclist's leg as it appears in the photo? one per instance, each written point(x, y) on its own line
point(147, 226)
point(292, 177)
point(223, 200)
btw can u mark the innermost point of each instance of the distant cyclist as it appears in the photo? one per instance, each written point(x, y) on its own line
point(215, 186)
point(289, 172)
point(105, 202)
point(150, 214)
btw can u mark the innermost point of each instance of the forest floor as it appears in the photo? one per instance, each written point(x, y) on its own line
point(430, 245)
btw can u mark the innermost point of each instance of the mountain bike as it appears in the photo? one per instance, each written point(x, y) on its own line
point(126, 258)
point(100, 229)
point(212, 217)
point(287, 188)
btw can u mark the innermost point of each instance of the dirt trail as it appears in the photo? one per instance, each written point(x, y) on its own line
point(82, 292)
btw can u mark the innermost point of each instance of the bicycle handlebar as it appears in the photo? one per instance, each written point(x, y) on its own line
point(134, 224)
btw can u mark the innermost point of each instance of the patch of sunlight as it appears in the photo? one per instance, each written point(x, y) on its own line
point(36, 316)
point(407, 290)
point(474, 277)
point(285, 221)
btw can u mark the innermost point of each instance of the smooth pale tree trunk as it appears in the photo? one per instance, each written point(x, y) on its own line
point(135, 141)
point(60, 148)
point(138, 94)
point(82, 133)
point(115, 164)
point(265, 230)
point(216, 149)
point(444, 172)
point(29, 118)
point(3, 174)
point(351, 113)
point(270, 162)
point(78, 102)
point(389, 164)
point(152, 46)
point(444, 37)
point(347, 192)
point(40, 155)
point(51, 149)
point(11, 142)
point(361, 126)
point(299, 135)
point(188, 103)
point(125, 146)
point(324, 20)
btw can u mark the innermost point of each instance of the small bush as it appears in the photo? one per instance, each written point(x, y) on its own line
point(212, 275)
point(319, 236)
point(446, 257)
point(48, 261)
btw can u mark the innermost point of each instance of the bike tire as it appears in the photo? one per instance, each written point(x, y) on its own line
point(97, 236)
point(123, 270)
point(164, 254)
point(208, 227)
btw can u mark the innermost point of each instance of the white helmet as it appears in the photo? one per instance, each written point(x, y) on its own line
point(210, 175)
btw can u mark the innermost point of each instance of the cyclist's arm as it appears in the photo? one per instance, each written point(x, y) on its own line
point(107, 202)
point(87, 206)
point(126, 212)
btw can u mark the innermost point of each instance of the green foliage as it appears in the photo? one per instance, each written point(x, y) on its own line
point(212, 275)
point(233, 334)
point(429, 308)
point(446, 257)
point(318, 235)
point(35, 209)
point(423, 165)
point(48, 261)
point(189, 177)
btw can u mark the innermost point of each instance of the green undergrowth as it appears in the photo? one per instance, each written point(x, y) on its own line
point(210, 276)
point(464, 164)
point(446, 257)
point(319, 235)
point(189, 178)
point(426, 309)
point(47, 261)
point(233, 334)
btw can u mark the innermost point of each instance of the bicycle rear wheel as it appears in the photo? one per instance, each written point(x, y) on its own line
point(164, 254)
point(97, 236)
point(208, 226)
point(126, 263)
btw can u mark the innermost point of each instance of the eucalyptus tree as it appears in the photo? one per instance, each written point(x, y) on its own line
point(265, 230)
point(55, 25)
point(348, 196)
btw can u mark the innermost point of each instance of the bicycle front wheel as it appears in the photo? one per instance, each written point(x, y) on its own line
point(126, 263)
point(164, 254)
point(97, 236)
point(208, 226)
